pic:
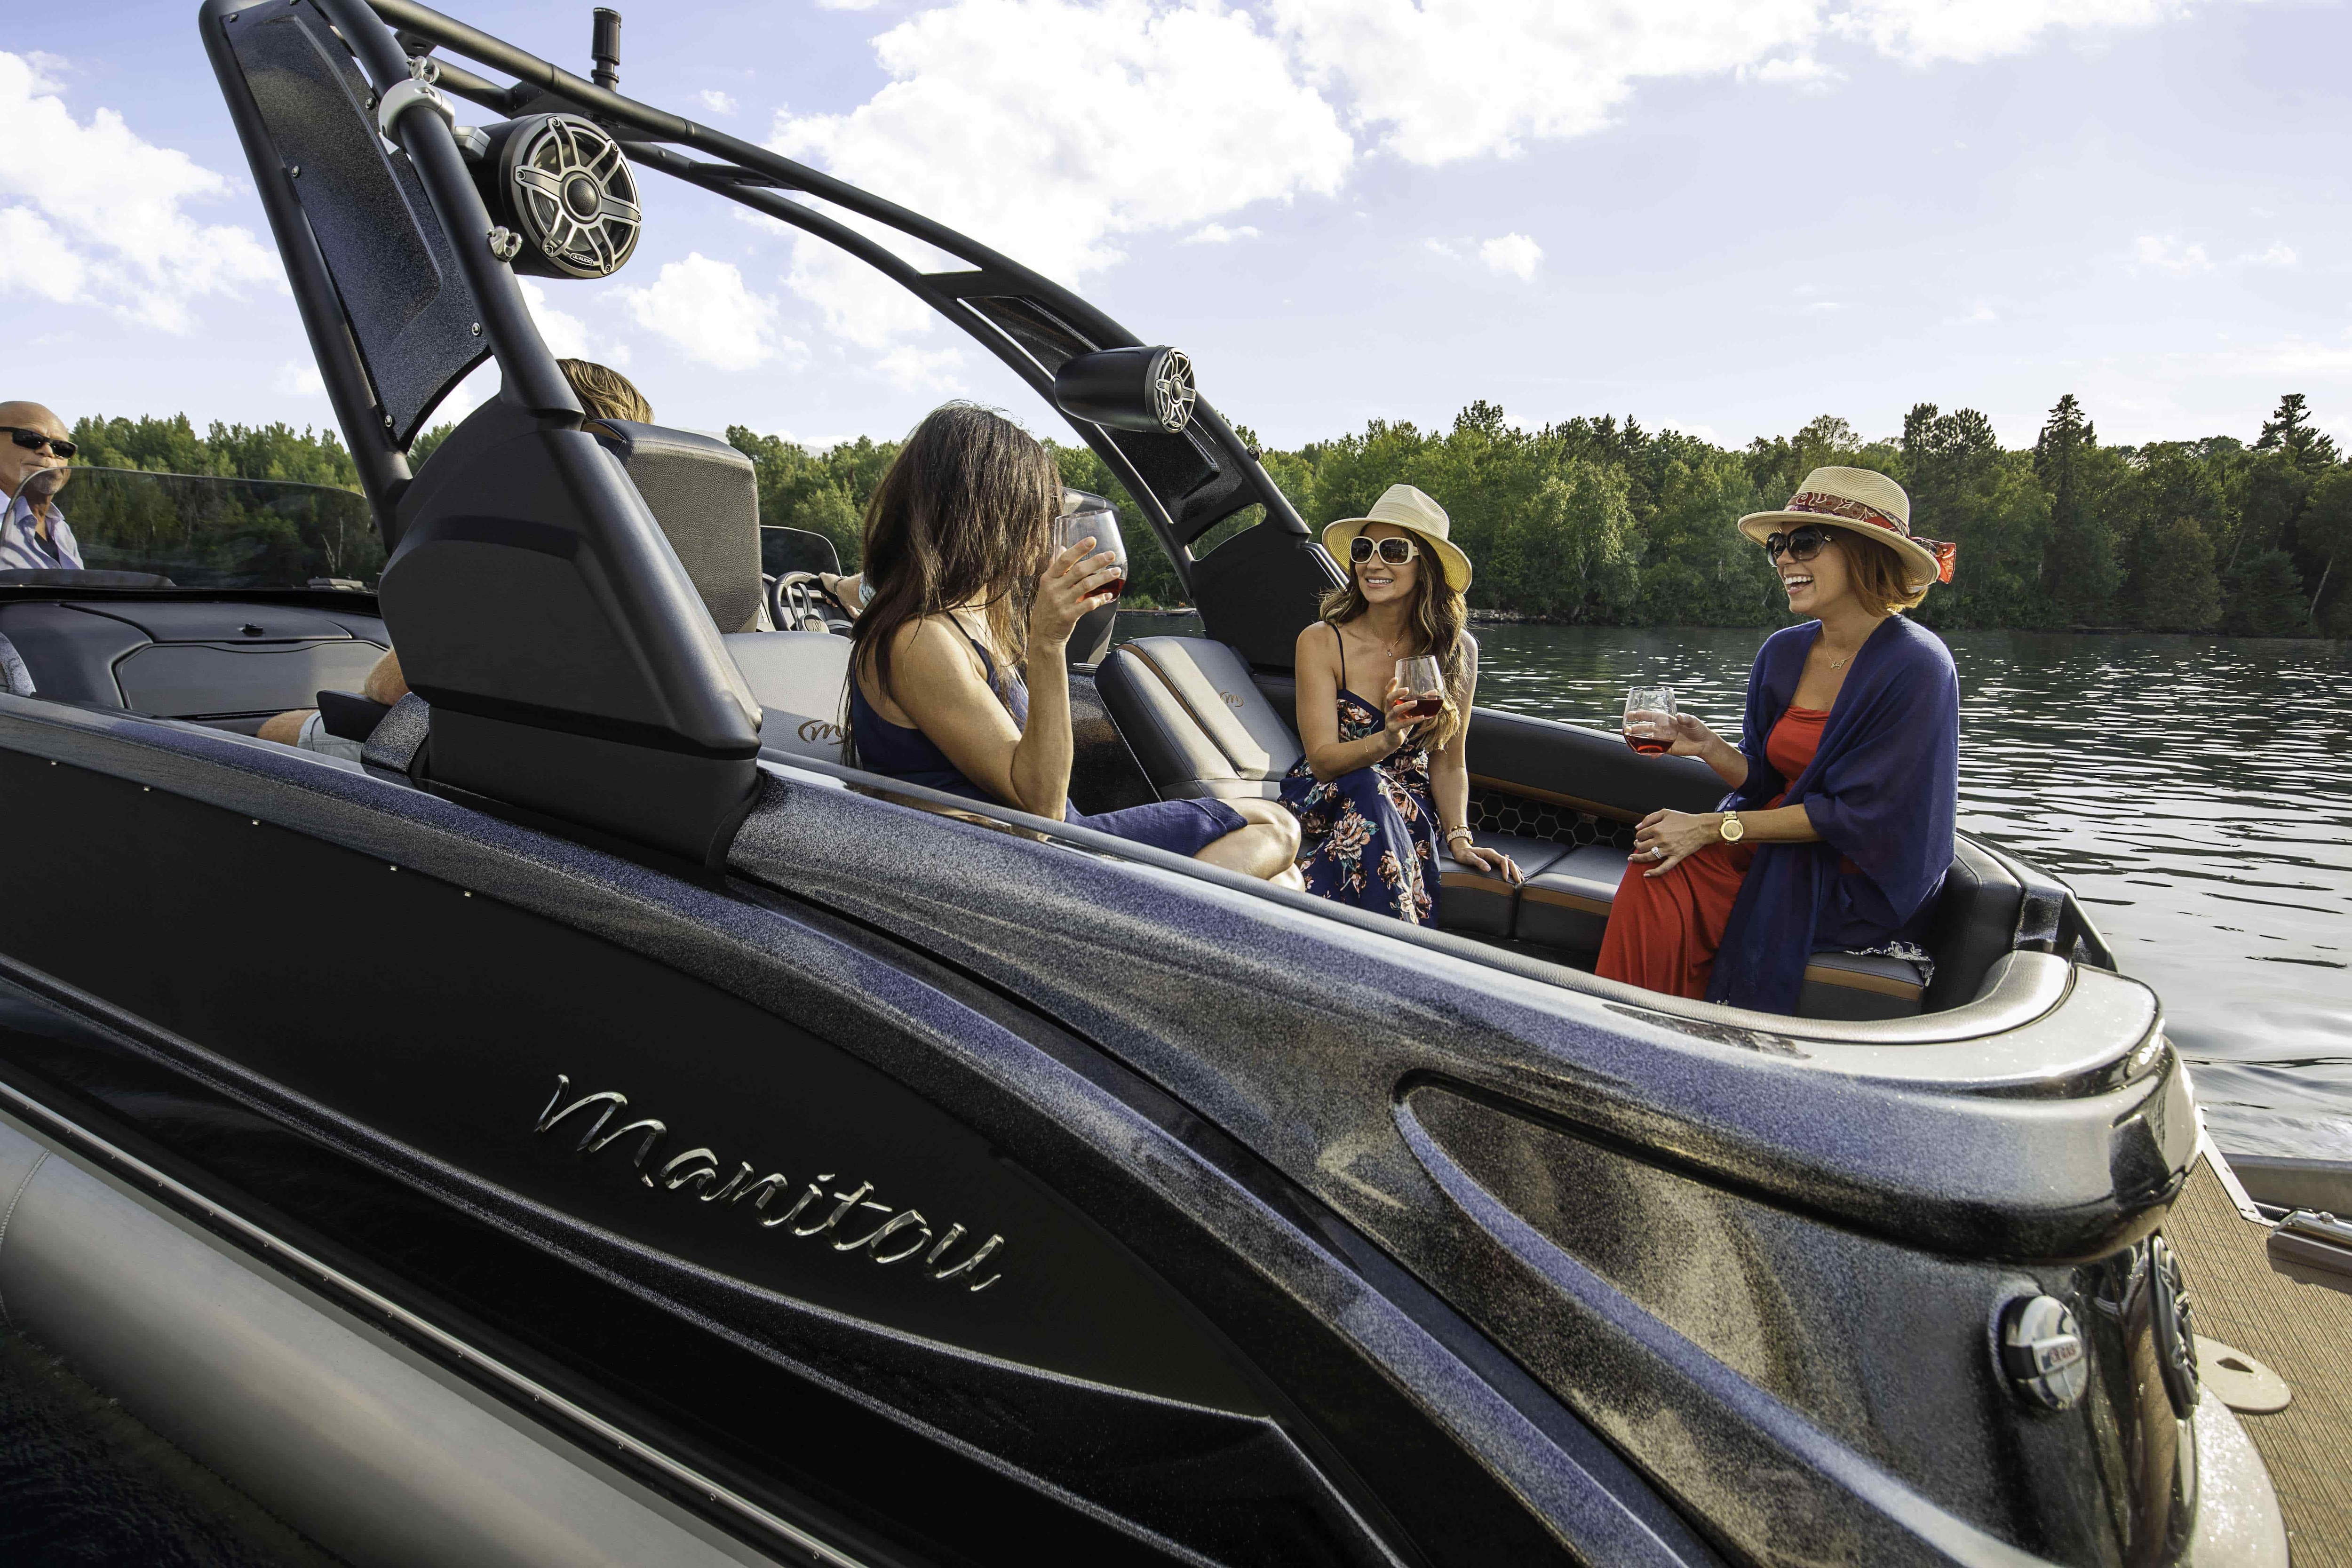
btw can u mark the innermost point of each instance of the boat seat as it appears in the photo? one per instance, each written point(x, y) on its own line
point(1195, 721)
point(1476, 902)
point(799, 679)
point(1568, 904)
point(1861, 986)
point(706, 496)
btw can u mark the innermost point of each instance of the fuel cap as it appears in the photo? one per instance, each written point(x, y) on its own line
point(2042, 1351)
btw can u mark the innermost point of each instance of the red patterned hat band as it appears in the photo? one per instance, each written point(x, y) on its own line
point(1857, 512)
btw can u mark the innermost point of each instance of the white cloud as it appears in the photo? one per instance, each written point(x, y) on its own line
point(718, 102)
point(1193, 110)
point(35, 259)
point(106, 207)
point(922, 370)
point(1514, 254)
point(300, 378)
point(2165, 253)
point(1185, 112)
point(1802, 72)
point(1436, 80)
point(1921, 32)
point(2280, 254)
point(1441, 79)
point(705, 311)
point(1982, 314)
point(846, 4)
point(566, 335)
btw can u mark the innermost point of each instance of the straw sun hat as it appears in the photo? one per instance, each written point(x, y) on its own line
point(1402, 506)
point(1862, 502)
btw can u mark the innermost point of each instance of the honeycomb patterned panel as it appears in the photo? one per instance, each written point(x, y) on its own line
point(1497, 810)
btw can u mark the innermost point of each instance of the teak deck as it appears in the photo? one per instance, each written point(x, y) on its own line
point(2305, 1334)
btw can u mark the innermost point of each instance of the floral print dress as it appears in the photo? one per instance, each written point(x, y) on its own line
point(1370, 836)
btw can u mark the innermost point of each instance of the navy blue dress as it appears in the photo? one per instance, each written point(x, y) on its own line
point(1180, 826)
point(1369, 837)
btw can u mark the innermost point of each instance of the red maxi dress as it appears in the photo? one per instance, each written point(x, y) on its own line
point(1664, 931)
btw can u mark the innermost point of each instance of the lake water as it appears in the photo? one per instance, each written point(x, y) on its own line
point(2195, 792)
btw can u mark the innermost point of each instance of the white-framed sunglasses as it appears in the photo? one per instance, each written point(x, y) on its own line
point(1395, 552)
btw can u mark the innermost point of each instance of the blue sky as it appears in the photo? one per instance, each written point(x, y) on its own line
point(1721, 215)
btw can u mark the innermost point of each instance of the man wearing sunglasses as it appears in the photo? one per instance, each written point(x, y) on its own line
point(33, 531)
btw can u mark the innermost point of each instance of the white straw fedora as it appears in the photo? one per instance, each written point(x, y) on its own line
point(1863, 502)
point(1402, 506)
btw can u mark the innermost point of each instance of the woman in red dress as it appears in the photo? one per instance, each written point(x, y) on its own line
point(1843, 786)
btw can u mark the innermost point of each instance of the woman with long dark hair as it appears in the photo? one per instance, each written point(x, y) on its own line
point(1845, 782)
point(969, 589)
point(1381, 790)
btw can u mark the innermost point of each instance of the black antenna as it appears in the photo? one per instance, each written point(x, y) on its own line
point(604, 47)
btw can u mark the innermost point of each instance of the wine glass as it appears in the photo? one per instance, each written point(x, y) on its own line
point(1102, 527)
point(1650, 720)
point(1422, 678)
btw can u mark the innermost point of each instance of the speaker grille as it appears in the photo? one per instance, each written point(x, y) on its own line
point(575, 195)
point(1171, 391)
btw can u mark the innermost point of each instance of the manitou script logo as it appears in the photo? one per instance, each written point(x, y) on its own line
point(896, 1236)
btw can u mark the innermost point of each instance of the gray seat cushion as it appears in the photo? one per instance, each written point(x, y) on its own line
point(1480, 903)
point(800, 680)
point(706, 496)
point(1568, 905)
point(1194, 719)
point(1861, 986)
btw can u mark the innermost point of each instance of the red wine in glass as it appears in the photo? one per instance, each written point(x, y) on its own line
point(1650, 720)
point(1421, 675)
point(1102, 527)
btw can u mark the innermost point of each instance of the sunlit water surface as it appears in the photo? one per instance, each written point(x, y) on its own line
point(2195, 792)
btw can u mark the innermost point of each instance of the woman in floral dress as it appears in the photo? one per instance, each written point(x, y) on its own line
point(1380, 793)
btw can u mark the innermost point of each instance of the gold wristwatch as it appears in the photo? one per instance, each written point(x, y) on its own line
point(1731, 828)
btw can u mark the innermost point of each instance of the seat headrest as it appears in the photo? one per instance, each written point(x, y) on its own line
point(706, 496)
point(1215, 686)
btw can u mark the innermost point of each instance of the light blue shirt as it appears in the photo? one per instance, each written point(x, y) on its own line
point(22, 549)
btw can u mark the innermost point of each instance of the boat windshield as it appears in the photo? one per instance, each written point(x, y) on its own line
point(140, 529)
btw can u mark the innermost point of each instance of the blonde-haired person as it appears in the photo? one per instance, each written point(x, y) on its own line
point(604, 392)
point(1378, 792)
point(1845, 782)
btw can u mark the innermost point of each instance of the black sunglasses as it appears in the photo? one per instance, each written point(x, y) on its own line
point(1801, 544)
point(33, 441)
point(1395, 552)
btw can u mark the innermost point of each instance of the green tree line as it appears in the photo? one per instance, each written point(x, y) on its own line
point(1599, 521)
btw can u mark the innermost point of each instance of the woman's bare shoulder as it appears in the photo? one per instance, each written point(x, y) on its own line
point(1317, 643)
point(931, 647)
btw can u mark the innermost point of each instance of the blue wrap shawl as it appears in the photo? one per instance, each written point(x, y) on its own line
point(1882, 792)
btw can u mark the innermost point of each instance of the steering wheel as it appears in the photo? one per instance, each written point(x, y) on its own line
point(796, 603)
